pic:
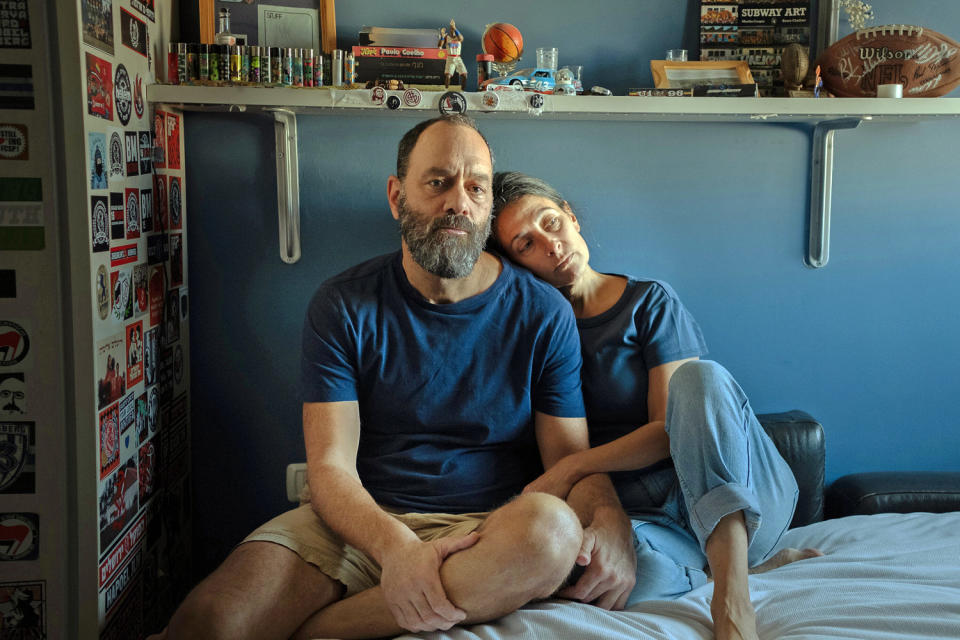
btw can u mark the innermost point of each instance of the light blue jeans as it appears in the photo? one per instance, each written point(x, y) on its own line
point(723, 462)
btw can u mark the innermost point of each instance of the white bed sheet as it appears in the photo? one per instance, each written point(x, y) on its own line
point(888, 576)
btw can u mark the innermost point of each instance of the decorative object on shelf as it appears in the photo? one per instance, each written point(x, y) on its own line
point(404, 63)
point(539, 79)
point(504, 42)
point(795, 68)
point(412, 97)
point(600, 91)
point(484, 69)
point(687, 75)
point(920, 59)
point(858, 13)
point(536, 101)
point(452, 102)
point(378, 96)
point(490, 100)
point(393, 103)
point(755, 32)
point(452, 42)
point(565, 86)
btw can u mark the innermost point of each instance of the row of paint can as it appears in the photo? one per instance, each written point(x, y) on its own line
point(190, 63)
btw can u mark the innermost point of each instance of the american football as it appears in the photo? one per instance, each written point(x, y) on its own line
point(925, 62)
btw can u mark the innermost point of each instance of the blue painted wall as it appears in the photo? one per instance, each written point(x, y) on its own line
point(868, 345)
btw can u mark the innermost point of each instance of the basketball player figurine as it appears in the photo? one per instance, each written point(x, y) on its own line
point(453, 42)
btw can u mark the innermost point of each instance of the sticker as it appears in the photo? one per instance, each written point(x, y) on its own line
point(16, 86)
point(19, 536)
point(131, 147)
point(145, 7)
point(378, 96)
point(134, 355)
point(99, 87)
point(150, 355)
point(16, 25)
point(173, 141)
point(123, 94)
point(453, 102)
point(178, 364)
point(117, 217)
point(393, 102)
point(122, 297)
point(14, 343)
point(160, 202)
point(146, 210)
point(127, 414)
point(13, 394)
point(153, 408)
point(183, 304)
point(176, 259)
point(98, 23)
point(97, 146)
point(175, 203)
point(159, 153)
point(146, 152)
point(17, 457)
point(115, 153)
point(132, 204)
point(13, 141)
point(102, 289)
point(490, 99)
point(536, 101)
point(412, 97)
point(98, 223)
point(138, 97)
point(124, 254)
point(111, 377)
point(158, 249)
point(172, 317)
point(122, 550)
point(109, 439)
point(8, 283)
point(24, 610)
point(21, 214)
point(133, 32)
point(118, 502)
point(156, 306)
point(140, 409)
point(141, 303)
point(148, 470)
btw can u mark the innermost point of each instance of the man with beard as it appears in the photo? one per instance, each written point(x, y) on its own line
point(436, 380)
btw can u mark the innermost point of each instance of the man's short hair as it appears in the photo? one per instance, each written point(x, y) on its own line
point(409, 139)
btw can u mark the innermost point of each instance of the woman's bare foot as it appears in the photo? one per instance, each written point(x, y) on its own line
point(785, 556)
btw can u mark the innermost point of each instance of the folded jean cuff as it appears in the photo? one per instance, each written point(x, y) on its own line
point(719, 502)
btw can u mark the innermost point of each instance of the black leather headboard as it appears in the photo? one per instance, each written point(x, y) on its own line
point(799, 438)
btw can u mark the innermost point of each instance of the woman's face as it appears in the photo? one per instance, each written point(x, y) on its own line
point(544, 238)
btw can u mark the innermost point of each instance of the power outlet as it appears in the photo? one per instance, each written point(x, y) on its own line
point(296, 478)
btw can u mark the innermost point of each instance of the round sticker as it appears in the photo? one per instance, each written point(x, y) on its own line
point(122, 94)
point(536, 101)
point(116, 155)
point(174, 196)
point(14, 343)
point(412, 97)
point(393, 102)
point(20, 540)
point(378, 96)
point(13, 141)
point(133, 211)
point(490, 100)
point(453, 102)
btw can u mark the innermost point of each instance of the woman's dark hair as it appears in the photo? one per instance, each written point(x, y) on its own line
point(409, 139)
point(510, 186)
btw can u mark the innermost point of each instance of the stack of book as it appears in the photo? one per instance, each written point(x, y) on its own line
point(408, 55)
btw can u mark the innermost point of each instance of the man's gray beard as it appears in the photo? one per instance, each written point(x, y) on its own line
point(442, 254)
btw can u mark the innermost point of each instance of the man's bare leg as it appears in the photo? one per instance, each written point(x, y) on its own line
point(525, 551)
point(262, 591)
point(733, 614)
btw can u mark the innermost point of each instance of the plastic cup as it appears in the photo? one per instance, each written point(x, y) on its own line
point(547, 58)
point(676, 55)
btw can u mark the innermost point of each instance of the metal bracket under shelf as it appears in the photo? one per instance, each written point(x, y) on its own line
point(288, 183)
point(821, 188)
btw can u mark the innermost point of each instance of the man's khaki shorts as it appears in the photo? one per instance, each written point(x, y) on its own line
point(302, 531)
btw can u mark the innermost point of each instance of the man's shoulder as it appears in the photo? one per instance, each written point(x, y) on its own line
point(353, 283)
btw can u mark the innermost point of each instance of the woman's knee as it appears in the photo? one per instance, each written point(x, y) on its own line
point(698, 377)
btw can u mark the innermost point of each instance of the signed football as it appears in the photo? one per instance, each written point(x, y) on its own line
point(925, 62)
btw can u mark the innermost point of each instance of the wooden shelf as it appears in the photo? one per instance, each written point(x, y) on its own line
point(516, 104)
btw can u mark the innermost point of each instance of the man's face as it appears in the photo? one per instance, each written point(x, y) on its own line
point(12, 396)
point(443, 204)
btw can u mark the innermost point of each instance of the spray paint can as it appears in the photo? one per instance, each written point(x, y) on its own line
point(244, 63)
point(318, 71)
point(288, 67)
point(236, 55)
point(183, 72)
point(172, 76)
point(213, 63)
point(203, 60)
point(253, 74)
point(336, 68)
point(265, 66)
point(349, 68)
point(193, 64)
point(307, 67)
point(298, 67)
point(276, 66)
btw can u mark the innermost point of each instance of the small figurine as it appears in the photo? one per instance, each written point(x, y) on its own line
point(565, 85)
point(453, 43)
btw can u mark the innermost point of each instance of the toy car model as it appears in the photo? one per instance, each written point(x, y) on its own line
point(539, 80)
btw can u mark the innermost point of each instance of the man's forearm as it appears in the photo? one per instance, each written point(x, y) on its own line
point(594, 496)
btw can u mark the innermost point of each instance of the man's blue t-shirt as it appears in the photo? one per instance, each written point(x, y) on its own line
point(647, 327)
point(446, 392)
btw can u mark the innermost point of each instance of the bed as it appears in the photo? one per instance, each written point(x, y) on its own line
point(883, 576)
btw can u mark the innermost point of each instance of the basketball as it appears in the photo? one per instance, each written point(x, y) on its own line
point(503, 41)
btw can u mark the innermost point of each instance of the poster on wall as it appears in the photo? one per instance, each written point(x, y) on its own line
point(15, 19)
point(111, 378)
point(97, 152)
point(132, 199)
point(109, 439)
point(146, 210)
point(115, 151)
point(102, 292)
point(99, 87)
point(122, 94)
point(173, 141)
point(134, 353)
point(131, 146)
point(133, 32)
point(24, 609)
point(159, 139)
point(99, 220)
point(119, 496)
point(97, 16)
point(122, 295)
point(18, 442)
point(145, 7)
point(13, 394)
point(175, 200)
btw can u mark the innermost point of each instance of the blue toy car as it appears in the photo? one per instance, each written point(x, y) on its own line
point(539, 80)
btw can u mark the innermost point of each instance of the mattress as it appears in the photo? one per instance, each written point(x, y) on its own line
point(882, 576)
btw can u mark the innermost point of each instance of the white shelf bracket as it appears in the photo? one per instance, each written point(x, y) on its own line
point(821, 188)
point(288, 183)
